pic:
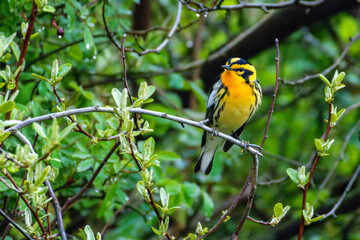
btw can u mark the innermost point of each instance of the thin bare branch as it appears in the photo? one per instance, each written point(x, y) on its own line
point(277, 80)
point(230, 209)
point(171, 33)
point(329, 69)
point(254, 176)
point(347, 189)
point(258, 221)
point(15, 129)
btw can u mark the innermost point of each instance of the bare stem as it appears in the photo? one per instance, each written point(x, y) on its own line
point(271, 110)
point(258, 221)
point(254, 176)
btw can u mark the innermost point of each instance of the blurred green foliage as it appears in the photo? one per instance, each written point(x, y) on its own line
point(74, 36)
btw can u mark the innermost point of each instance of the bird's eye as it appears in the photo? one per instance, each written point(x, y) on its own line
point(241, 69)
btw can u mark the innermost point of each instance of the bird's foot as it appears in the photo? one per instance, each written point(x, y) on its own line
point(215, 133)
point(247, 144)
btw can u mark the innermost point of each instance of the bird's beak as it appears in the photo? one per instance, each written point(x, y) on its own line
point(227, 67)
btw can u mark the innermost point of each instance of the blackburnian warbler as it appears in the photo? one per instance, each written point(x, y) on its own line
point(233, 100)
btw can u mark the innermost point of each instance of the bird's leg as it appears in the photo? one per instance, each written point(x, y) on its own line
point(215, 133)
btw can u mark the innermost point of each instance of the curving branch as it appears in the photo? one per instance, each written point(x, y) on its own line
point(347, 189)
point(15, 129)
point(171, 33)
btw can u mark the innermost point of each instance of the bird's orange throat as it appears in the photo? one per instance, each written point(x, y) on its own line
point(237, 87)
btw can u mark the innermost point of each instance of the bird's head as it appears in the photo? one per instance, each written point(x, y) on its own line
point(239, 69)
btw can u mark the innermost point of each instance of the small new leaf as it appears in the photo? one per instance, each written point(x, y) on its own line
point(293, 174)
point(325, 80)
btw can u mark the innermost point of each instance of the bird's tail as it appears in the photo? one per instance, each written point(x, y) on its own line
point(206, 158)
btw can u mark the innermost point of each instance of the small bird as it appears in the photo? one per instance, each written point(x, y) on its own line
point(233, 100)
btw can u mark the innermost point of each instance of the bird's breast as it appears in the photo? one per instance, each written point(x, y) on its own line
point(238, 106)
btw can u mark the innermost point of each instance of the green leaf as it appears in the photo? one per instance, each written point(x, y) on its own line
point(89, 233)
point(49, 9)
point(176, 81)
point(6, 42)
point(54, 71)
point(339, 78)
point(98, 236)
point(317, 218)
point(191, 190)
point(208, 205)
point(155, 231)
point(7, 107)
point(319, 145)
point(168, 156)
point(3, 136)
point(124, 96)
point(340, 113)
point(85, 165)
point(150, 91)
point(278, 210)
point(88, 38)
point(166, 224)
point(42, 177)
point(3, 75)
point(15, 49)
point(63, 69)
point(325, 80)
point(163, 197)
point(66, 131)
point(24, 27)
point(38, 3)
point(293, 174)
point(116, 94)
point(41, 78)
point(39, 130)
point(34, 35)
